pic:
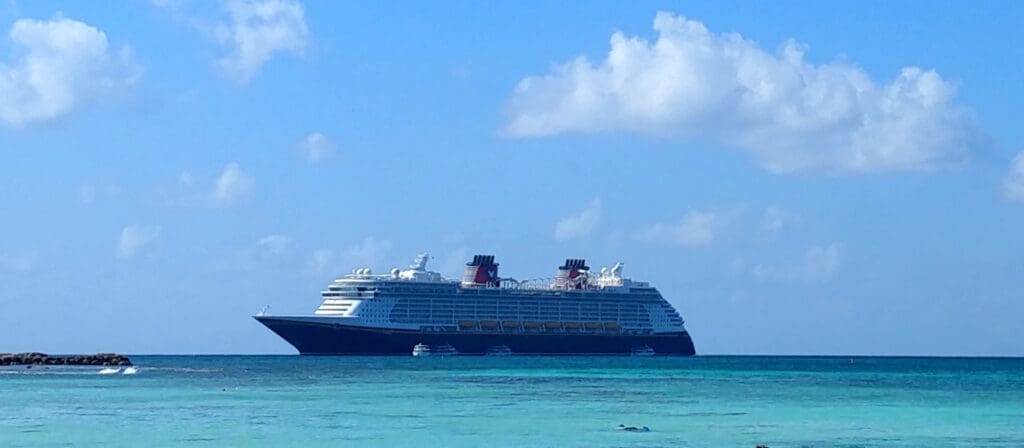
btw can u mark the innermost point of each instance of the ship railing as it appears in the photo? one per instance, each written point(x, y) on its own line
point(529, 284)
point(544, 284)
point(389, 277)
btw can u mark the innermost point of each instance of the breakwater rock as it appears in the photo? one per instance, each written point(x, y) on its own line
point(99, 359)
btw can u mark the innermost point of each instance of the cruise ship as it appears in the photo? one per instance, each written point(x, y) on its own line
point(576, 312)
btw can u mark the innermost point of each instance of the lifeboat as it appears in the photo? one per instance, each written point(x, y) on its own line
point(531, 325)
point(612, 326)
point(467, 324)
point(510, 325)
point(552, 325)
point(590, 326)
point(572, 325)
point(489, 325)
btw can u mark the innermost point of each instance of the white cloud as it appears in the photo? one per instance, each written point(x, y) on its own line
point(274, 244)
point(580, 224)
point(186, 179)
point(774, 220)
point(1013, 185)
point(370, 252)
point(134, 238)
point(257, 30)
point(232, 187)
point(63, 64)
point(819, 264)
point(322, 261)
point(316, 147)
point(788, 114)
point(697, 228)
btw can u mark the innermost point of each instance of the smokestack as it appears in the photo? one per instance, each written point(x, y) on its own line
point(482, 271)
point(568, 272)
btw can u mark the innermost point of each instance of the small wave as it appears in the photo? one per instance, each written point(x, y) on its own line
point(110, 371)
point(49, 370)
point(131, 370)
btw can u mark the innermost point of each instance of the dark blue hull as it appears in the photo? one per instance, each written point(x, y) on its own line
point(315, 338)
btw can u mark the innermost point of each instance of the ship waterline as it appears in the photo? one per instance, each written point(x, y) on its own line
point(574, 313)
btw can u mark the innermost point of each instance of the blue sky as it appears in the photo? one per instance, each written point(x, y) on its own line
point(797, 178)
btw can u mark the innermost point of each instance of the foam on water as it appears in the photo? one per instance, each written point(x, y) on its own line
point(45, 370)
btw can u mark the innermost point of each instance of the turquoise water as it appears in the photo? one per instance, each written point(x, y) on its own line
point(519, 401)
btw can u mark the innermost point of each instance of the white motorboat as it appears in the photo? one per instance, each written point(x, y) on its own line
point(421, 350)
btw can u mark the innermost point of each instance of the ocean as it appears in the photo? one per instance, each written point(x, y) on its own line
point(702, 401)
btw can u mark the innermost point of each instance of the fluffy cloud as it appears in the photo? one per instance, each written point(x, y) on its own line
point(257, 30)
point(580, 224)
point(63, 64)
point(789, 115)
point(322, 261)
point(135, 238)
point(1013, 185)
point(819, 265)
point(774, 220)
point(274, 244)
point(232, 187)
point(316, 147)
point(369, 252)
point(697, 228)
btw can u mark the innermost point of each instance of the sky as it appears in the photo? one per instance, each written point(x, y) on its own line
point(795, 177)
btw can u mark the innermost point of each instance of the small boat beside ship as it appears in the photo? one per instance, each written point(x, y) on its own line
point(421, 350)
point(440, 350)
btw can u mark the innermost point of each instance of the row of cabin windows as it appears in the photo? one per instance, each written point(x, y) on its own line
point(625, 313)
point(540, 296)
point(514, 316)
point(588, 308)
point(521, 301)
point(424, 319)
point(478, 310)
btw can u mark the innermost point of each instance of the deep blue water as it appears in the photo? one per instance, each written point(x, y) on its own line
point(704, 401)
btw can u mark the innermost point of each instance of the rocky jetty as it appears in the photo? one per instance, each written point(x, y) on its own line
point(99, 359)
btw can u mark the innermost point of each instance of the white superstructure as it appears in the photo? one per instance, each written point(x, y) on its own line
point(572, 302)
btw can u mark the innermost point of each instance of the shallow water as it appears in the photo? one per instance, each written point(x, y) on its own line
point(518, 401)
